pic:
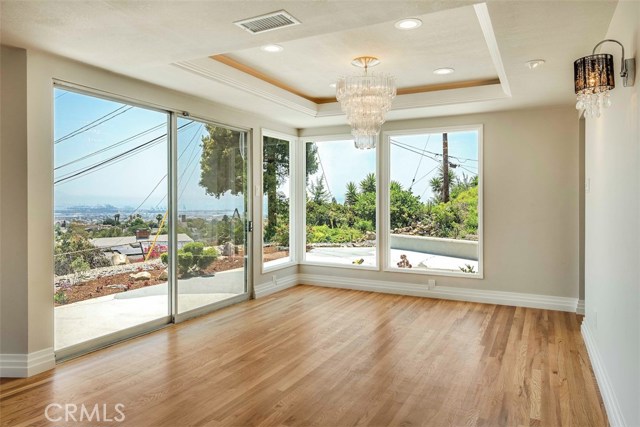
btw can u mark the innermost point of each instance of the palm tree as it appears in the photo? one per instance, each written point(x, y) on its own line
point(352, 194)
point(159, 218)
point(436, 184)
point(368, 184)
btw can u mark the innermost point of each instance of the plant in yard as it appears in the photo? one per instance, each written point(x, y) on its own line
point(468, 268)
point(60, 297)
point(193, 256)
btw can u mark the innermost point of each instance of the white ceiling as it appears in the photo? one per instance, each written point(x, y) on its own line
point(169, 43)
point(448, 38)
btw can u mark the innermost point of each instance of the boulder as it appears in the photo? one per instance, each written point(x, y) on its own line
point(119, 259)
point(229, 249)
point(164, 275)
point(143, 275)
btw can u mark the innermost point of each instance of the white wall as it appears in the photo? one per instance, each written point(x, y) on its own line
point(531, 203)
point(612, 235)
point(27, 182)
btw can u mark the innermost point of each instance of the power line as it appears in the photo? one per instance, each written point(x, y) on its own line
point(419, 163)
point(117, 144)
point(117, 158)
point(405, 145)
point(324, 175)
point(94, 123)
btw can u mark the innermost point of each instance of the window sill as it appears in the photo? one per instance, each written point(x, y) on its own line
point(267, 268)
point(432, 272)
point(347, 266)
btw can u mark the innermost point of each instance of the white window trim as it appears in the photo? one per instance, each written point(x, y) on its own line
point(302, 247)
point(385, 208)
point(293, 167)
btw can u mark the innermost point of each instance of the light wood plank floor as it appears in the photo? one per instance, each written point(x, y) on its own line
point(329, 357)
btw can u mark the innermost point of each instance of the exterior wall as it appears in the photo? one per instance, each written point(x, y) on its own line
point(612, 240)
point(447, 247)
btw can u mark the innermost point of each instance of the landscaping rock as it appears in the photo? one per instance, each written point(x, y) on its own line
point(119, 259)
point(123, 287)
point(229, 249)
point(164, 275)
point(143, 275)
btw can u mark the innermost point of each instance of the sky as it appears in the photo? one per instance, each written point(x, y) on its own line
point(343, 162)
point(128, 181)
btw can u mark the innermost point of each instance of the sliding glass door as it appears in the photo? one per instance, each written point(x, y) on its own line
point(151, 219)
point(211, 215)
point(110, 201)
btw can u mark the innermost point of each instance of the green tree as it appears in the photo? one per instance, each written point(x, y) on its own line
point(437, 185)
point(368, 184)
point(223, 167)
point(352, 194)
point(405, 207)
point(319, 193)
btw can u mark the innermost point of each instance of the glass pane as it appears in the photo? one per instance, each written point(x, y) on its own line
point(276, 201)
point(212, 209)
point(341, 204)
point(110, 163)
point(434, 202)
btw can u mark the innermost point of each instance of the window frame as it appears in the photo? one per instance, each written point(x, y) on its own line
point(302, 256)
point(387, 265)
point(293, 199)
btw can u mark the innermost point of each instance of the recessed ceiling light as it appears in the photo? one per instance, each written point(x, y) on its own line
point(408, 24)
point(443, 71)
point(333, 85)
point(534, 63)
point(272, 48)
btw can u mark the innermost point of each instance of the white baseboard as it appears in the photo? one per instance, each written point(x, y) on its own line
point(614, 413)
point(580, 308)
point(26, 365)
point(269, 288)
point(444, 292)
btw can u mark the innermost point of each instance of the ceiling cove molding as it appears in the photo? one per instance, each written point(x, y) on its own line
point(431, 99)
point(482, 12)
point(207, 73)
point(268, 79)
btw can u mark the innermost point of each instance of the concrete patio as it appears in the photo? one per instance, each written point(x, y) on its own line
point(89, 319)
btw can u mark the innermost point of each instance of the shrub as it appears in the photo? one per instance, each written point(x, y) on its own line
point(325, 234)
point(193, 255)
point(196, 248)
point(207, 257)
point(185, 261)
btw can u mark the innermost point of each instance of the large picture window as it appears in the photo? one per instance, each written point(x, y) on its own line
point(341, 200)
point(435, 202)
point(276, 203)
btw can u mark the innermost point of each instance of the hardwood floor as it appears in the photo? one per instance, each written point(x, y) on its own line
point(329, 357)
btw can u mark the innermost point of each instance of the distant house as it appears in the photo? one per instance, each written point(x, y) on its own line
point(136, 247)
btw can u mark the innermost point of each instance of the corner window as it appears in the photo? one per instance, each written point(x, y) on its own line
point(341, 202)
point(435, 199)
point(276, 203)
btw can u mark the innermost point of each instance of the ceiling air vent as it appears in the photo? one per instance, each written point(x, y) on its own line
point(268, 22)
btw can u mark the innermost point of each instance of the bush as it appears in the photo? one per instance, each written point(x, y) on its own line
point(324, 234)
point(207, 257)
point(185, 261)
point(196, 248)
point(193, 255)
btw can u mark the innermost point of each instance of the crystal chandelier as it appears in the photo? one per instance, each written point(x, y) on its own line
point(365, 99)
point(594, 78)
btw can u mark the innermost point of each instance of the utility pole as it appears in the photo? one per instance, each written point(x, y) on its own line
point(445, 168)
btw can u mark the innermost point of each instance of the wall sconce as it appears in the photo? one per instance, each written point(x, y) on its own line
point(594, 78)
